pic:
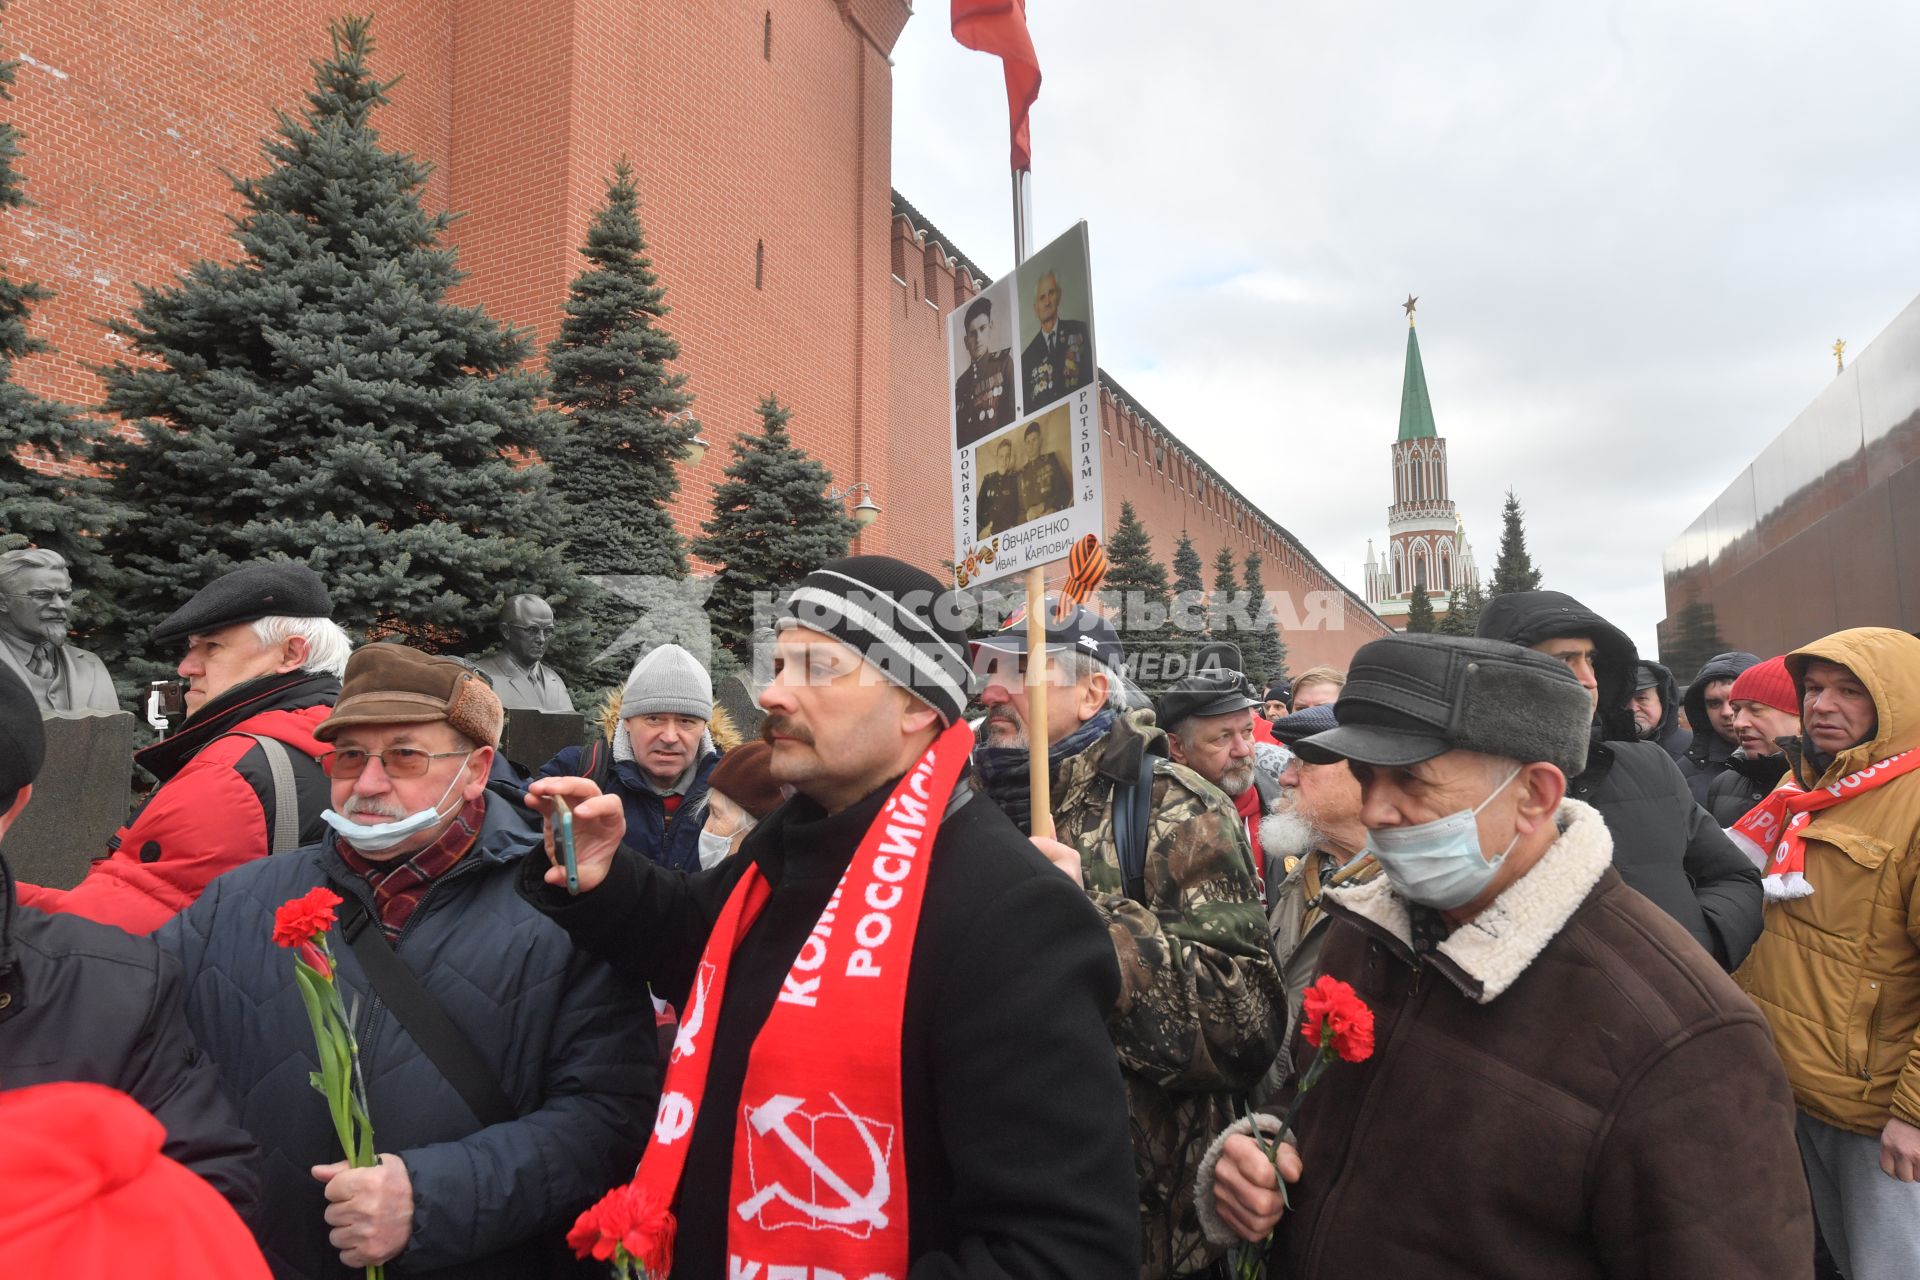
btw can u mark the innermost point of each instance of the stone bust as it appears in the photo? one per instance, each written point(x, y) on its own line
point(523, 682)
point(36, 606)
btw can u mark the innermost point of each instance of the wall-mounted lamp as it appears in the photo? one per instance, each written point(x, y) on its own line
point(865, 511)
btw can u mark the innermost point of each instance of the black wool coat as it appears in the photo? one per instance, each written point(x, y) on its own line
point(1019, 1164)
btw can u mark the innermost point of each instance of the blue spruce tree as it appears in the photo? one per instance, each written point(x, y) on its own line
point(318, 398)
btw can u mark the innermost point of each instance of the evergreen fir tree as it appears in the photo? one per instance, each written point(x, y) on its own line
point(1137, 584)
point(1514, 570)
point(62, 513)
point(1453, 623)
point(1189, 591)
point(1226, 585)
point(772, 525)
point(1265, 652)
point(627, 424)
point(1419, 608)
point(1472, 600)
point(319, 399)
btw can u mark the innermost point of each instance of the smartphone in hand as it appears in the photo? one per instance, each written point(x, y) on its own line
point(563, 838)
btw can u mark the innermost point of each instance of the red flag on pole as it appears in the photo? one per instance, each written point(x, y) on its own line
point(999, 27)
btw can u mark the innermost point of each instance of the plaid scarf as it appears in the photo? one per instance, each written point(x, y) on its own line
point(398, 887)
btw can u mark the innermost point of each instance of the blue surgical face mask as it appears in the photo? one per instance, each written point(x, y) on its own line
point(1438, 864)
point(381, 836)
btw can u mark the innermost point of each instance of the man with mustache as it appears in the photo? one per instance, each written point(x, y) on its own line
point(1209, 721)
point(36, 606)
point(475, 1179)
point(1837, 966)
point(262, 659)
point(1315, 841)
point(1200, 1002)
point(894, 1058)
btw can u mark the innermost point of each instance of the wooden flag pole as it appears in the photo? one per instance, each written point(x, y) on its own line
point(1039, 777)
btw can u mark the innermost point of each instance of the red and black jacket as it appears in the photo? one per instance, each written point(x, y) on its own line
point(213, 809)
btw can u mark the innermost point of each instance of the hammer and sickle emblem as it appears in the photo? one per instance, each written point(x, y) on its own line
point(855, 1208)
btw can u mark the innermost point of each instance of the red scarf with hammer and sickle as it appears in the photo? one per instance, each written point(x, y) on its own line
point(1771, 832)
point(819, 1167)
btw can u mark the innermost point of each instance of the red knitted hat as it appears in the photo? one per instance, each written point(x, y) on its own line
point(85, 1194)
point(1769, 684)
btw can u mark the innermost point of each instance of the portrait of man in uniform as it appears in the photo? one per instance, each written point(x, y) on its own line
point(1044, 487)
point(983, 394)
point(999, 508)
point(1059, 359)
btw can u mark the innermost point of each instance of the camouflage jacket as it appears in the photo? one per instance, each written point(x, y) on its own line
point(1198, 1019)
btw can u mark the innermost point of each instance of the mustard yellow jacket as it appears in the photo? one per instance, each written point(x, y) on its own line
point(1838, 973)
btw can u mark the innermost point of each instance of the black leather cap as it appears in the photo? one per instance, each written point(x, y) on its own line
point(263, 589)
point(1411, 698)
point(1212, 692)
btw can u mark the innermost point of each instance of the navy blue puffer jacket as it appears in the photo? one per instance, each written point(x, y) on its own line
point(673, 840)
point(572, 1044)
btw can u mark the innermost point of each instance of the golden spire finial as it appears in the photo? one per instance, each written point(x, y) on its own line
point(1407, 307)
point(1839, 355)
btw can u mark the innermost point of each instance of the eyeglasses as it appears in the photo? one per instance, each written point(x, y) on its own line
point(399, 762)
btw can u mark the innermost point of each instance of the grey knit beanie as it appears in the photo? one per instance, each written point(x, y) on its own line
point(669, 680)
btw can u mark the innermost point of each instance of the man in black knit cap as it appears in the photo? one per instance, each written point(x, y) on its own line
point(893, 1055)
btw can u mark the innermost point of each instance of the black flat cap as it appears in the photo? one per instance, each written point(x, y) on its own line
point(263, 589)
point(1304, 723)
point(1084, 631)
point(1411, 698)
point(1213, 692)
point(23, 743)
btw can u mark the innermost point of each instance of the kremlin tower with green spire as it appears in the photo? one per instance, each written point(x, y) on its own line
point(1426, 541)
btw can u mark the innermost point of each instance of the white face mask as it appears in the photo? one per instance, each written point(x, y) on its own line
point(1438, 864)
point(378, 837)
point(713, 848)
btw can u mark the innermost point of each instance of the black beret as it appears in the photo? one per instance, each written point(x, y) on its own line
point(263, 589)
point(23, 743)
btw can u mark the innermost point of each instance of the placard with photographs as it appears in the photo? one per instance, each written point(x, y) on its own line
point(1026, 416)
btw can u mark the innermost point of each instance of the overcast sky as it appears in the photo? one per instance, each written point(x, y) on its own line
point(1635, 230)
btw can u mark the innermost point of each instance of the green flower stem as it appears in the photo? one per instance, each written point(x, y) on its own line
point(1250, 1260)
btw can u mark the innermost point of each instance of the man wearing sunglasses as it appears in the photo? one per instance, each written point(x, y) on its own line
point(424, 858)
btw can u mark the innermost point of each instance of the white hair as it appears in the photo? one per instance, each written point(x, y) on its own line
point(1079, 666)
point(327, 645)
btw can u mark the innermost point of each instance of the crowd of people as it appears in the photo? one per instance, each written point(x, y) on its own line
point(848, 1001)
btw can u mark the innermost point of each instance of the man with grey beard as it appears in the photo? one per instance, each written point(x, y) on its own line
point(1208, 718)
point(1314, 841)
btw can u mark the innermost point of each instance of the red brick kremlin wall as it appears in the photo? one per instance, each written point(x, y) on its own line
point(761, 136)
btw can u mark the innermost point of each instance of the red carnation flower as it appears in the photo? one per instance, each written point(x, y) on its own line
point(1332, 1009)
point(305, 918)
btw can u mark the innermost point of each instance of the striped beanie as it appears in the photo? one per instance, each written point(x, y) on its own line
point(899, 618)
point(1769, 684)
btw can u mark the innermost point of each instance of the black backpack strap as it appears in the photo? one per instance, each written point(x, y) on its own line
point(1132, 815)
point(446, 1046)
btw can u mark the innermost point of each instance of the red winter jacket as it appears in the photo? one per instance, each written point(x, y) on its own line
point(213, 809)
